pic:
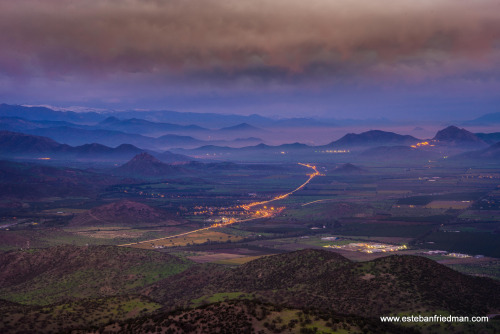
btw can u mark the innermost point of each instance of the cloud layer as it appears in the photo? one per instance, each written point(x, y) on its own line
point(143, 50)
point(231, 37)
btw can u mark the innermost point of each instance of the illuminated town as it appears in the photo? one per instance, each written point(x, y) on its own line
point(369, 247)
point(424, 143)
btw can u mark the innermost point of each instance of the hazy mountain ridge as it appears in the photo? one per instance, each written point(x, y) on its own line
point(14, 143)
point(44, 113)
point(112, 131)
point(141, 126)
point(75, 136)
point(149, 137)
point(20, 145)
point(242, 127)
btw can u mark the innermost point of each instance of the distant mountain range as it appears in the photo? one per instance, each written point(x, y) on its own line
point(159, 131)
point(44, 113)
point(162, 117)
point(19, 145)
point(77, 134)
point(141, 126)
point(207, 120)
point(369, 145)
point(373, 145)
point(243, 127)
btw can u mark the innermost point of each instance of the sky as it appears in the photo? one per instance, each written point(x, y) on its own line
point(426, 59)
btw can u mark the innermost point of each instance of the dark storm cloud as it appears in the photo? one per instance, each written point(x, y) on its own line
point(259, 39)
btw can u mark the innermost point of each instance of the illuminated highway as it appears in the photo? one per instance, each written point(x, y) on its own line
point(247, 207)
point(319, 201)
point(311, 176)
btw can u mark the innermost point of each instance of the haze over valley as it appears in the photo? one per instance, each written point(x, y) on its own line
point(159, 218)
point(232, 166)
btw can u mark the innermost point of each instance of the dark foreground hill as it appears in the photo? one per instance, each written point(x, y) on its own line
point(247, 316)
point(45, 276)
point(311, 287)
point(234, 316)
point(326, 280)
point(124, 212)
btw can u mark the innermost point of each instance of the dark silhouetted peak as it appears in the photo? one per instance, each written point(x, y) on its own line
point(348, 168)
point(455, 134)
point(145, 164)
point(375, 138)
point(295, 145)
point(262, 146)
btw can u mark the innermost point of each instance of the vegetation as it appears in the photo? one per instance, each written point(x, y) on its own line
point(46, 276)
point(326, 280)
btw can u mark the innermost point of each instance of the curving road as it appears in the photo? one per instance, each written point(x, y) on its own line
point(246, 207)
